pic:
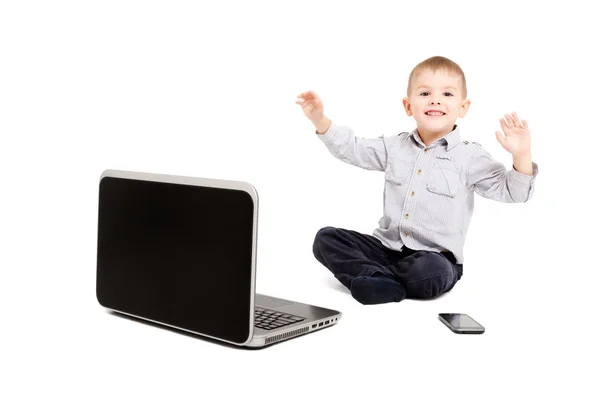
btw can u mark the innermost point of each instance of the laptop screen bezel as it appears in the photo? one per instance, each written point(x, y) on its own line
point(204, 182)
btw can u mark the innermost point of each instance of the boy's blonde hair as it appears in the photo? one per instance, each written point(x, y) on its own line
point(434, 64)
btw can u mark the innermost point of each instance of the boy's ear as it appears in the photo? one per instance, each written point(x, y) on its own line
point(407, 108)
point(464, 108)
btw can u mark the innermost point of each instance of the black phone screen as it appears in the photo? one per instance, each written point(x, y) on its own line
point(461, 321)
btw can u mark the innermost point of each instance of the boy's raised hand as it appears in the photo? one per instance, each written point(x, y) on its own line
point(517, 137)
point(312, 106)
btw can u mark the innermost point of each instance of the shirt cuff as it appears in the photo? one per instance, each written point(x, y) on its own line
point(524, 178)
point(330, 134)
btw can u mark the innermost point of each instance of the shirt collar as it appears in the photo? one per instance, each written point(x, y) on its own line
point(452, 138)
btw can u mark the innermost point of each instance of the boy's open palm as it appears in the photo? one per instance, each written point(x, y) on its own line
point(517, 138)
point(312, 106)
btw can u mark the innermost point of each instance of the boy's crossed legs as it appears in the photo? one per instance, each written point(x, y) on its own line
point(375, 274)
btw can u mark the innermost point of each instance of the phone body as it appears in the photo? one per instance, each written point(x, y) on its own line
point(461, 323)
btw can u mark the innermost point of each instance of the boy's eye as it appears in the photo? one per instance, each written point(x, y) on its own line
point(449, 93)
point(424, 93)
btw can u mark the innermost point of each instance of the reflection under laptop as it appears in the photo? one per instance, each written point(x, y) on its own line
point(181, 252)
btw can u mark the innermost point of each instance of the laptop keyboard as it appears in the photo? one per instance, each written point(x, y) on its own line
point(271, 319)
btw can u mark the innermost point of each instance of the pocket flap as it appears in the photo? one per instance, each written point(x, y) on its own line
point(444, 161)
point(443, 181)
point(397, 171)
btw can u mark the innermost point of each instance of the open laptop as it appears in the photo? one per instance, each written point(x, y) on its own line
point(181, 252)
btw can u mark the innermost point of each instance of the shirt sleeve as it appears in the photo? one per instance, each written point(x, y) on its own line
point(490, 179)
point(343, 143)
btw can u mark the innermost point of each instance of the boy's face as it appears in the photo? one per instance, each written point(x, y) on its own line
point(436, 101)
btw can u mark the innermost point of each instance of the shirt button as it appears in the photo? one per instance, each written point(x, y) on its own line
point(406, 216)
point(412, 193)
point(425, 150)
point(405, 234)
point(419, 172)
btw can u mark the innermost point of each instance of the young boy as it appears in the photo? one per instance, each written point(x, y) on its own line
point(430, 178)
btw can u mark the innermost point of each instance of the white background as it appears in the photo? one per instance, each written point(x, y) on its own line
point(208, 89)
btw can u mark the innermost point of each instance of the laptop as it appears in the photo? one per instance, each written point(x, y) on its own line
point(181, 252)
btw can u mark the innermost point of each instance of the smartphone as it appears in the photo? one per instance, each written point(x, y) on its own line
point(461, 323)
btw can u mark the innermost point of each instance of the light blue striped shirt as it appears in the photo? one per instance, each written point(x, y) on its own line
point(428, 193)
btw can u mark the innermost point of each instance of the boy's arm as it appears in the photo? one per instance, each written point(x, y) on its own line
point(490, 178)
point(523, 164)
point(342, 142)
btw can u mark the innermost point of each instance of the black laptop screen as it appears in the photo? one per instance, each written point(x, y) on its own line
point(176, 254)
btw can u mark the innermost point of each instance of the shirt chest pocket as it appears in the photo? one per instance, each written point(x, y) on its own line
point(444, 178)
point(397, 171)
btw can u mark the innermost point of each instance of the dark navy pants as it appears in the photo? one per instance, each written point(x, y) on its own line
point(376, 274)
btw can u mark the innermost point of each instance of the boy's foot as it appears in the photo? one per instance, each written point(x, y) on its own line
point(377, 289)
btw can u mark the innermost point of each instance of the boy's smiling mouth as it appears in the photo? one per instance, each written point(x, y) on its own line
point(435, 113)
